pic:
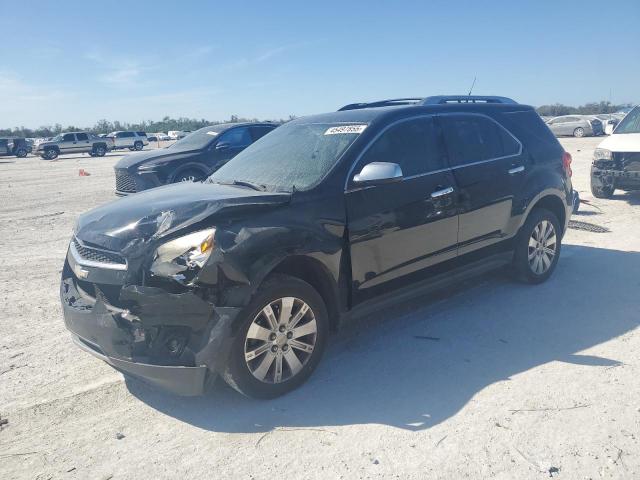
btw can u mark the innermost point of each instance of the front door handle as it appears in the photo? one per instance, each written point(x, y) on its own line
point(513, 171)
point(442, 193)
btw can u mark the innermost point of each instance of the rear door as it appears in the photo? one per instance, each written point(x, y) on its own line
point(401, 232)
point(488, 166)
point(82, 142)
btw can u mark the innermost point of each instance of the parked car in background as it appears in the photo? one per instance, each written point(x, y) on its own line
point(609, 122)
point(575, 125)
point(616, 161)
point(74, 142)
point(15, 146)
point(192, 158)
point(163, 137)
point(131, 140)
point(326, 218)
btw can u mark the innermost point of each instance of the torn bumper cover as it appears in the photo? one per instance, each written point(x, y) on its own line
point(173, 341)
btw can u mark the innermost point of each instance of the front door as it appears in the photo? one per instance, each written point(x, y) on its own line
point(488, 166)
point(399, 232)
point(230, 144)
point(68, 144)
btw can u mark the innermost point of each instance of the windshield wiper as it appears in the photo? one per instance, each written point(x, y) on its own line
point(243, 183)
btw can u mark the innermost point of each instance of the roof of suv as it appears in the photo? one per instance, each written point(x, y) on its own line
point(367, 115)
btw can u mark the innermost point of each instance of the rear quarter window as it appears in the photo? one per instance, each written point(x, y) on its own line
point(534, 134)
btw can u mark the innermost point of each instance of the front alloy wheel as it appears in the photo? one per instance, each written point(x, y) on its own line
point(280, 340)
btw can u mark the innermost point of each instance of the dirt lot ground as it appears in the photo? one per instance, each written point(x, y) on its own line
point(513, 381)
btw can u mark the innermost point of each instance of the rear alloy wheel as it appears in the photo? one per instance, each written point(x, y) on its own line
point(281, 340)
point(138, 146)
point(578, 132)
point(538, 246)
point(100, 151)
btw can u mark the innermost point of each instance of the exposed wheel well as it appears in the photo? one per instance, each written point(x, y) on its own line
point(554, 205)
point(315, 274)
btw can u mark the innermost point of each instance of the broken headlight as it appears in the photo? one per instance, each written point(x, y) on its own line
point(602, 154)
point(185, 254)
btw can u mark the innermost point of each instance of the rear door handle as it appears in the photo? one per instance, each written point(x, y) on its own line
point(513, 171)
point(442, 193)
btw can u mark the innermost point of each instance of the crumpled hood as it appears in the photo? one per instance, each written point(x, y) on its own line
point(622, 142)
point(123, 224)
point(135, 159)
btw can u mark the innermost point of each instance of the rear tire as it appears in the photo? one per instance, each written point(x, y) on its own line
point(578, 132)
point(138, 146)
point(285, 360)
point(537, 247)
point(99, 151)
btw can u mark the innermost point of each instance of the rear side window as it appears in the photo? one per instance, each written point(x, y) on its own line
point(68, 137)
point(412, 144)
point(82, 136)
point(474, 138)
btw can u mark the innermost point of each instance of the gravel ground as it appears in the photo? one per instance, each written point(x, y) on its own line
point(512, 381)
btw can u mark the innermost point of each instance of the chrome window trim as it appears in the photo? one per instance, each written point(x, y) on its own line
point(90, 263)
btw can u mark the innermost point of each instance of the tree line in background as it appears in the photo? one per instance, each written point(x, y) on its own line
point(190, 124)
point(594, 108)
point(105, 126)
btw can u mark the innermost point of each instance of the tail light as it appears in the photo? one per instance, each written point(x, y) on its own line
point(566, 163)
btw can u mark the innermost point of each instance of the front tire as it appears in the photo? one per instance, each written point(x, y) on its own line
point(50, 154)
point(189, 175)
point(605, 192)
point(578, 132)
point(537, 247)
point(21, 153)
point(280, 341)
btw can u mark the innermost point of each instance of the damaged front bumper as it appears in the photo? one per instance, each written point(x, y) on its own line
point(176, 341)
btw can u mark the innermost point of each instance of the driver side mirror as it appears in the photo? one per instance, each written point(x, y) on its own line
point(223, 146)
point(376, 173)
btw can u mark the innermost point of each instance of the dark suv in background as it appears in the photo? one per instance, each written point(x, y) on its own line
point(326, 218)
point(15, 146)
point(191, 158)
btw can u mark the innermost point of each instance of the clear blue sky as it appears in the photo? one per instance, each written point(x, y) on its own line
point(77, 62)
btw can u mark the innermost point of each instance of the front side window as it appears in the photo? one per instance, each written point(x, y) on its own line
point(412, 144)
point(474, 138)
point(630, 123)
point(236, 137)
point(68, 137)
point(295, 155)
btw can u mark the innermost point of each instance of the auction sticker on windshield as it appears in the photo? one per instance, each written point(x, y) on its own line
point(345, 129)
point(213, 134)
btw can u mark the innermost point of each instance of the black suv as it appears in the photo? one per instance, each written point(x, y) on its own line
point(190, 159)
point(15, 146)
point(327, 217)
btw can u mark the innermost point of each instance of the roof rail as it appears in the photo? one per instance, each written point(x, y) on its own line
point(383, 103)
point(444, 99)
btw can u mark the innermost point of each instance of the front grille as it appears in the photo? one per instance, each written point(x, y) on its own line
point(124, 182)
point(96, 255)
